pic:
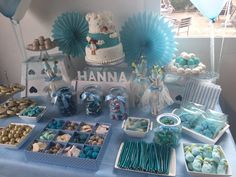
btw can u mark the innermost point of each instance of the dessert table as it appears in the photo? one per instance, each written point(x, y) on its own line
point(13, 162)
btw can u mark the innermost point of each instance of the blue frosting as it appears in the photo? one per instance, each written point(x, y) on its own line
point(109, 42)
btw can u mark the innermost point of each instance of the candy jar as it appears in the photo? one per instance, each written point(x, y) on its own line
point(168, 130)
point(118, 103)
point(65, 99)
point(92, 98)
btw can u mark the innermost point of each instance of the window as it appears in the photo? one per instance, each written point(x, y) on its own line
point(188, 21)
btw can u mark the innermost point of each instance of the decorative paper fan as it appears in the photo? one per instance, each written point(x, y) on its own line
point(149, 35)
point(69, 32)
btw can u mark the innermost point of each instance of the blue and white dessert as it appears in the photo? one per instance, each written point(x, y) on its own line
point(187, 63)
point(104, 46)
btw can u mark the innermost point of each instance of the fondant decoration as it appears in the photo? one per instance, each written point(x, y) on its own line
point(210, 8)
point(41, 44)
point(118, 103)
point(195, 91)
point(213, 163)
point(104, 47)
point(150, 35)
point(140, 82)
point(187, 64)
point(69, 33)
point(168, 131)
point(156, 96)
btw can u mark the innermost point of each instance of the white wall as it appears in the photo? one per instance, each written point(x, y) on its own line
point(39, 19)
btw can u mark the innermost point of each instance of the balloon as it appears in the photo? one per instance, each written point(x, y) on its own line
point(14, 9)
point(209, 8)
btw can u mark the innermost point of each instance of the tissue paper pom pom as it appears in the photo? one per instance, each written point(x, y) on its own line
point(69, 32)
point(149, 35)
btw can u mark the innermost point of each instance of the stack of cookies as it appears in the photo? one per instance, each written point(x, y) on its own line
point(41, 44)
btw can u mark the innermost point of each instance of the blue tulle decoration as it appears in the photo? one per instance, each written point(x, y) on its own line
point(149, 35)
point(69, 32)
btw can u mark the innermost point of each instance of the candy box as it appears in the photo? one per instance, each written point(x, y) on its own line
point(23, 137)
point(172, 164)
point(201, 137)
point(83, 148)
point(34, 118)
point(139, 128)
point(202, 174)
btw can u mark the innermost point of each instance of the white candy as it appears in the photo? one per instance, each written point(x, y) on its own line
point(188, 71)
point(192, 55)
point(202, 65)
point(195, 71)
point(180, 70)
point(174, 68)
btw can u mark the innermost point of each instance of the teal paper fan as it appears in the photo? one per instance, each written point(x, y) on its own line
point(69, 32)
point(147, 34)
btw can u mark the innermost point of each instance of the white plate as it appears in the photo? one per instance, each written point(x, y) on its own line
point(137, 134)
point(201, 137)
point(200, 174)
point(172, 164)
point(33, 119)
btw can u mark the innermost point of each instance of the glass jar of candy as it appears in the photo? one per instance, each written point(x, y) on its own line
point(168, 130)
point(118, 103)
point(65, 99)
point(92, 99)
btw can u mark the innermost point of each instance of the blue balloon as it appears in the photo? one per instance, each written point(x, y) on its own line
point(209, 8)
point(8, 7)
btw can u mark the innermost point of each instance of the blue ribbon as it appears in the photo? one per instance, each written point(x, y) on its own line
point(64, 94)
point(88, 96)
point(120, 98)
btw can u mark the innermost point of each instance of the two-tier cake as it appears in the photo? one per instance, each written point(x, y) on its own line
point(104, 46)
